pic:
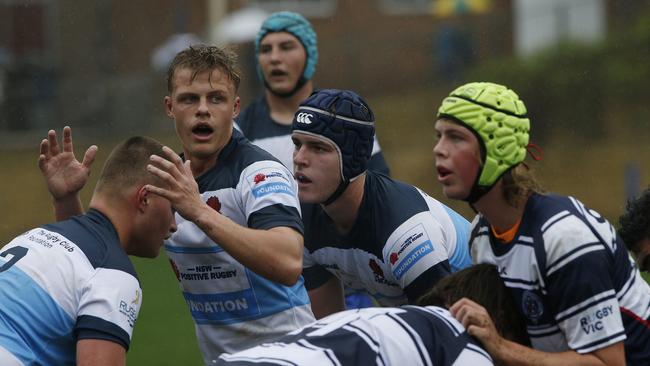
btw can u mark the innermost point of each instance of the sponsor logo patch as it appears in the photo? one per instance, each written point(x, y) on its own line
point(412, 258)
point(130, 309)
point(593, 322)
point(271, 188)
point(258, 178)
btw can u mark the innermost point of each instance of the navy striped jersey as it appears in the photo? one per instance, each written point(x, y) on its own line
point(409, 335)
point(234, 308)
point(256, 124)
point(571, 277)
point(402, 242)
point(61, 283)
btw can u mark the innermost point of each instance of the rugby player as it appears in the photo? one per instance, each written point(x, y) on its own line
point(238, 250)
point(635, 229)
point(409, 335)
point(68, 291)
point(572, 279)
point(366, 231)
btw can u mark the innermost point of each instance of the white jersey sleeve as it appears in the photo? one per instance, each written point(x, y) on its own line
point(269, 196)
point(416, 246)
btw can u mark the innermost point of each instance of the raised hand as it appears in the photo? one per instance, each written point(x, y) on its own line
point(180, 187)
point(64, 175)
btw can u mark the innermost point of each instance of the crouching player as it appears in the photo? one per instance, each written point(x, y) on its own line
point(409, 335)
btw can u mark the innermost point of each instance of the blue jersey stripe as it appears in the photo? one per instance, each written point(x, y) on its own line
point(460, 258)
point(33, 326)
point(262, 299)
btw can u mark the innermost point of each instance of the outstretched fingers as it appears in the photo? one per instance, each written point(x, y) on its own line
point(89, 156)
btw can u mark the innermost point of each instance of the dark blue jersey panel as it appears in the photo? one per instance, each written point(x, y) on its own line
point(95, 235)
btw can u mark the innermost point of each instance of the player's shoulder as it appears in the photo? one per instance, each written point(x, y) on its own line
point(96, 237)
point(392, 197)
point(555, 212)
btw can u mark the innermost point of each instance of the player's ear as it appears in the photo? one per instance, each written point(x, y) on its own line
point(142, 197)
point(236, 107)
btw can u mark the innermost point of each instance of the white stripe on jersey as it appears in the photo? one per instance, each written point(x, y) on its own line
point(277, 353)
point(553, 219)
point(584, 304)
point(573, 234)
point(525, 239)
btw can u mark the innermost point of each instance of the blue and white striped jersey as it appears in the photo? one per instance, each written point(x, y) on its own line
point(61, 283)
point(256, 124)
point(234, 308)
point(409, 335)
point(572, 278)
point(401, 244)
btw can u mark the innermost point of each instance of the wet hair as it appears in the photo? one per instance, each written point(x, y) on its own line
point(202, 58)
point(635, 221)
point(482, 284)
point(126, 166)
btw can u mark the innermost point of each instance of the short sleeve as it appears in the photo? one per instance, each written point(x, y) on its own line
point(109, 307)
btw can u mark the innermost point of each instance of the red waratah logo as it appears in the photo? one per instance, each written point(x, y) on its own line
point(259, 178)
point(393, 258)
point(214, 203)
point(375, 268)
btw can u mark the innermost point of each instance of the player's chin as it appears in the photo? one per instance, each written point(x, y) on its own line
point(454, 192)
point(307, 197)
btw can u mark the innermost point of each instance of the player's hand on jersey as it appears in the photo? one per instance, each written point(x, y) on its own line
point(181, 188)
point(64, 175)
point(478, 323)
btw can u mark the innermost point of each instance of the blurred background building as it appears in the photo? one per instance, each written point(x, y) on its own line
point(100, 66)
point(93, 63)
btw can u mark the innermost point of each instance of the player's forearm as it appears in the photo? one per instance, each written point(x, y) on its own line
point(275, 254)
point(327, 299)
point(67, 207)
point(514, 354)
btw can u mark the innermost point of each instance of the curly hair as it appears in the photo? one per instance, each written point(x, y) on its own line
point(635, 221)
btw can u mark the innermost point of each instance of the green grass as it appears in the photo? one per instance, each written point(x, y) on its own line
point(164, 334)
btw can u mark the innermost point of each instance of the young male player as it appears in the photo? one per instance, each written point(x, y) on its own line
point(287, 53)
point(68, 291)
point(584, 301)
point(366, 231)
point(238, 249)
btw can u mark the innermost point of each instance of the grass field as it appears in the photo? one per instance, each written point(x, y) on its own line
point(593, 172)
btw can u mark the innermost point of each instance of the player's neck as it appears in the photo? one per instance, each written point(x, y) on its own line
point(118, 214)
point(345, 209)
point(497, 211)
point(282, 109)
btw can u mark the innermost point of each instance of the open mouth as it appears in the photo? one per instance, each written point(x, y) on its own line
point(276, 73)
point(442, 172)
point(202, 130)
point(301, 178)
